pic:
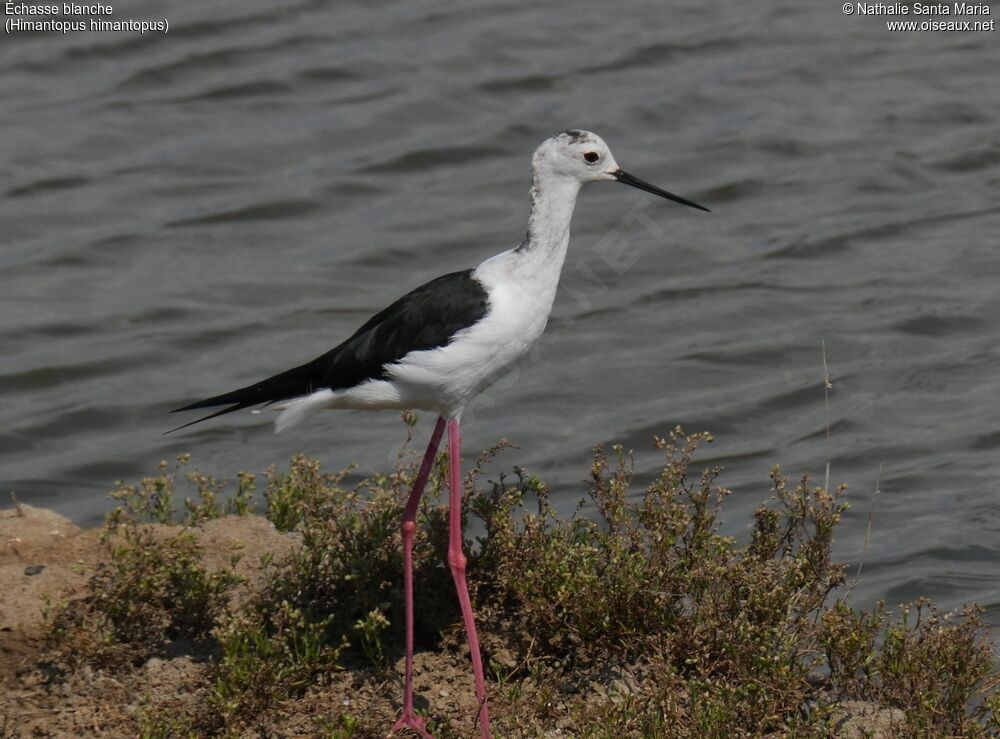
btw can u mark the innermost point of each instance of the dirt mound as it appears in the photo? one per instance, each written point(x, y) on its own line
point(46, 560)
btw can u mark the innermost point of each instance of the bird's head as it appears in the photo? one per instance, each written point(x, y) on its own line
point(584, 157)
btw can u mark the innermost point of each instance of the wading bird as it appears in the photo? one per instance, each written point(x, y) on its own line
point(439, 346)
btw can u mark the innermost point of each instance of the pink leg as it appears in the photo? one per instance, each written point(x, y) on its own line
point(410, 720)
point(457, 561)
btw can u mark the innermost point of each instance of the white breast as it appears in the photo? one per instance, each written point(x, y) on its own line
point(446, 379)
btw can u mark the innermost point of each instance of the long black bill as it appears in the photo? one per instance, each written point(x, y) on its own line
point(626, 179)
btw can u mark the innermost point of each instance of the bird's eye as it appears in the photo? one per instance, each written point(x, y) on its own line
point(591, 156)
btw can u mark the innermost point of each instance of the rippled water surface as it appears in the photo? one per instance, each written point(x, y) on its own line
point(187, 213)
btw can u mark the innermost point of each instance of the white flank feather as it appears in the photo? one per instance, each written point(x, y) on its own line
point(293, 411)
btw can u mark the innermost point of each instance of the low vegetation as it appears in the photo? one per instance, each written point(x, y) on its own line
point(634, 617)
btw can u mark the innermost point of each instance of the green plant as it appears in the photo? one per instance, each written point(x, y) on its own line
point(350, 561)
point(241, 503)
point(267, 659)
point(929, 664)
point(369, 630)
point(159, 589)
point(153, 498)
point(291, 496)
point(162, 724)
point(344, 727)
point(651, 574)
point(151, 592)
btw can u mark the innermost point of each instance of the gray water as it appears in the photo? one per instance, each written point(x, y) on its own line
point(184, 214)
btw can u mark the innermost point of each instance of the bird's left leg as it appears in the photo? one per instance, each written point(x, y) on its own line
point(457, 562)
point(410, 720)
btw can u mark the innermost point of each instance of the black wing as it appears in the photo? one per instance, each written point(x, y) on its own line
point(425, 318)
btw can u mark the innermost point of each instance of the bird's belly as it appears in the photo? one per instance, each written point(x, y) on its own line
point(447, 378)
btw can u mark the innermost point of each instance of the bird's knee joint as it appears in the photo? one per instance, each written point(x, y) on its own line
point(457, 561)
point(409, 527)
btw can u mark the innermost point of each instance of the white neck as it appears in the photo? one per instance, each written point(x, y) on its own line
point(553, 198)
point(535, 265)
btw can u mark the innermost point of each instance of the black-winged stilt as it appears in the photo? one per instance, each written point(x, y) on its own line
point(442, 344)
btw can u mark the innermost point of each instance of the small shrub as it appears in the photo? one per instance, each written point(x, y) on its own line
point(159, 589)
point(345, 727)
point(350, 562)
point(302, 491)
point(369, 630)
point(929, 664)
point(153, 499)
point(162, 724)
point(152, 592)
point(263, 661)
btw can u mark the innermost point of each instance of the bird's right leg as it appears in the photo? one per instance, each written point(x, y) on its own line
point(410, 720)
point(457, 561)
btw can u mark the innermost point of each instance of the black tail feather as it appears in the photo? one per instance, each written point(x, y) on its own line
point(292, 383)
point(245, 395)
point(224, 411)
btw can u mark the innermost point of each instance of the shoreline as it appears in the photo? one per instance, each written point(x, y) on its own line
point(648, 622)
